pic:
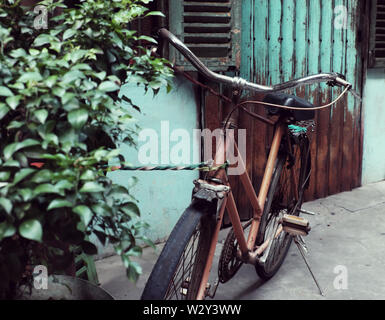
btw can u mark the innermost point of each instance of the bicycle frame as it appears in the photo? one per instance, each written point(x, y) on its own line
point(247, 251)
point(217, 185)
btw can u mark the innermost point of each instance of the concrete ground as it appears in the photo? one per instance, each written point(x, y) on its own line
point(346, 253)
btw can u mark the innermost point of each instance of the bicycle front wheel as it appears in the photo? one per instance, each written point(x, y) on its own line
point(285, 196)
point(178, 272)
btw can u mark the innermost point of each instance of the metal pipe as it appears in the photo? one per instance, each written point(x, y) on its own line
point(266, 181)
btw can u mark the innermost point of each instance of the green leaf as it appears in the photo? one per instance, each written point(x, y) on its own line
point(10, 149)
point(34, 52)
point(72, 75)
point(58, 91)
point(50, 138)
point(108, 86)
point(31, 229)
point(68, 96)
point(155, 13)
point(68, 34)
point(13, 101)
point(3, 110)
point(91, 187)
point(12, 164)
point(101, 75)
point(50, 81)
point(6, 204)
point(84, 213)
point(135, 252)
point(42, 40)
point(131, 209)
point(64, 185)
point(18, 53)
point(59, 203)
point(22, 174)
point(41, 176)
point(41, 115)
point(134, 270)
point(5, 92)
point(15, 125)
point(4, 175)
point(148, 242)
point(147, 38)
point(6, 230)
point(88, 175)
point(78, 118)
point(101, 209)
point(45, 188)
point(27, 194)
point(31, 76)
point(76, 55)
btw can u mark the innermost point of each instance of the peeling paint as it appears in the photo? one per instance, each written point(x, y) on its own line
point(283, 49)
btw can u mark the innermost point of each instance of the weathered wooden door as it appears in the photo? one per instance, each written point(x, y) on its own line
point(283, 40)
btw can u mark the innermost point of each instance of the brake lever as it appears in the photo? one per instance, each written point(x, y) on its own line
point(355, 94)
point(334, 83)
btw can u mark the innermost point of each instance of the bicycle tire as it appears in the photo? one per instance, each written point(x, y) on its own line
point(280, 201)
point(191, 237)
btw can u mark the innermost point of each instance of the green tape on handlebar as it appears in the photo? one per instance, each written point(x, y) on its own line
point(297, 129)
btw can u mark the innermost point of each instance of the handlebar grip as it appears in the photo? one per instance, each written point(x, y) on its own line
point(164, 33)
point(343, 82)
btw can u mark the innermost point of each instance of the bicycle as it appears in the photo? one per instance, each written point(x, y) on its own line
point(183, 267)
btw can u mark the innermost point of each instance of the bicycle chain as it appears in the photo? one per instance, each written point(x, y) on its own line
point(229, 264)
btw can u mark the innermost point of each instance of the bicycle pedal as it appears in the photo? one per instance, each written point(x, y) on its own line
point(295, 226)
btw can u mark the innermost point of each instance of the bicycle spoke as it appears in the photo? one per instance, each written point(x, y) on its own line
point(184, 269)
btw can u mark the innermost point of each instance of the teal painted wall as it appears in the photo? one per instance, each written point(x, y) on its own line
point(373, 164)
point(162, 196)
point(284, 40)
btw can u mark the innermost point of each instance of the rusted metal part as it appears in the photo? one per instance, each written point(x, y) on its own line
point(248, 187)
point(209, 192)
point(206, 273)
point(237, 226)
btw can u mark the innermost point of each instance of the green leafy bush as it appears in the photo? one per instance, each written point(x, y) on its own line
point(60, 124)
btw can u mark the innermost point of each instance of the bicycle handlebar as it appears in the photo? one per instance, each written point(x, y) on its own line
point(240, 83)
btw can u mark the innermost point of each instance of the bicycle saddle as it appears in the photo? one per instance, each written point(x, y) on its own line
point(290, 101)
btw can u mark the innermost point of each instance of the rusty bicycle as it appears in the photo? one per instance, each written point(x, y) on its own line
point(183, 267)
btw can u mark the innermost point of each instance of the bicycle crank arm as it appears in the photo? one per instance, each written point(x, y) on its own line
point(293, 225)
point(254, 256)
